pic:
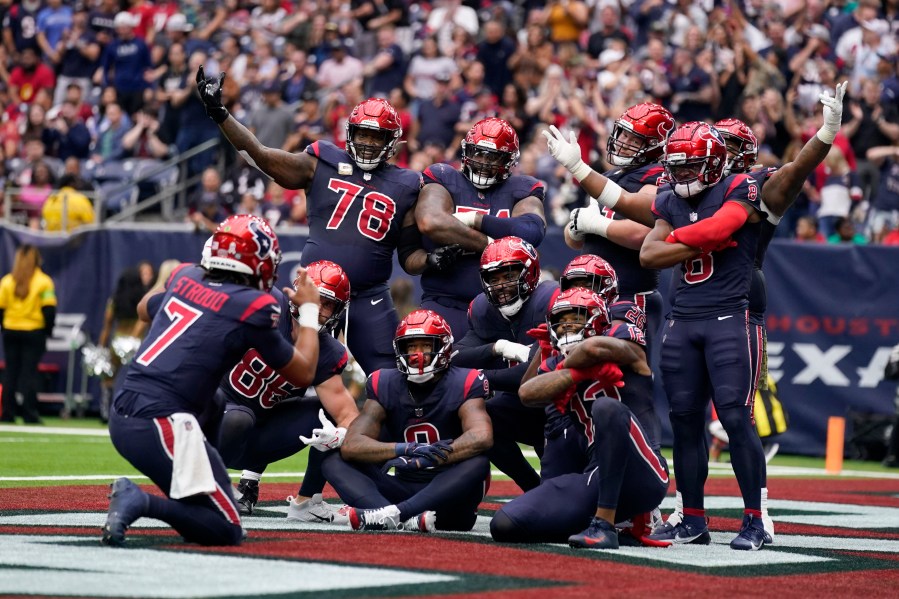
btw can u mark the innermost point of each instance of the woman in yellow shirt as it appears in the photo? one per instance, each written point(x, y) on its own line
point(27, 313)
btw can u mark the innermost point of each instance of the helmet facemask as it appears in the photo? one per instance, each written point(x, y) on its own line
point(420, 364)
point(376, 146)
point(567, 329)
point(505, 287)
point(690, 176)
point(626, 147)
point(741, 154)
point(485, 167)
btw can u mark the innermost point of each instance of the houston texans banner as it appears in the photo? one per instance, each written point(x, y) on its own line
point(833, 311)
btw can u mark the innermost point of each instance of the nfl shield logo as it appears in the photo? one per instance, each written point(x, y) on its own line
point(693, 217)
point(419, 412)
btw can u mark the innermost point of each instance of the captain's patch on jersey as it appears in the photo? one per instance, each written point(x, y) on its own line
point(344, 168)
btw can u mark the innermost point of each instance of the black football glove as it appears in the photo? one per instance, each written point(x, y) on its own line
point(409, 464)
point(443, 258)
point(211, 95)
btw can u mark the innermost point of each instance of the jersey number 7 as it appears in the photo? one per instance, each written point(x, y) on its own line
point(182, 317)
point(376, 214)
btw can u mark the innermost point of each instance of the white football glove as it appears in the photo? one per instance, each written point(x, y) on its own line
point(327, 437)
point(833, 113)
point(585, 220)
point(567, 153)
point(466, 218)
point(514, 352)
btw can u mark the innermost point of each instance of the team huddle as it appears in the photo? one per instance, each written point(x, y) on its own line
point(494, 358)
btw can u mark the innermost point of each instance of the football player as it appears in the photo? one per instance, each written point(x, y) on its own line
point(471, 207)
point(708, 326)
point(622, 472)
point(512, 303)
point(203, 322)
point(778, 190)
point(435, 431)
point(634, 149)
point(264, 413)
point(359, 207)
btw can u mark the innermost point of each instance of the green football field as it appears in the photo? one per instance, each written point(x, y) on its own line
point(79, 451)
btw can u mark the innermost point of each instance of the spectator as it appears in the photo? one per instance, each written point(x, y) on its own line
point(299, 82)
point(372, 17)
point(27, 315)
point(142, 140)
point(387, 69)
point(566, 20)
point(67, 136)
point(29, 77)
point(494, 53)
point(442, 113)
point(266, 20)
point(194, 129)
point(532, 57)
point(859, 49)
point(271, 122)
point(340, 68)
point(807, 230)
point(102, 20)
point(845, 233)
point(77, 56)
point(67, 208)
point(249, 204)
point(206, 209)
point(124, 63)
point(873, 124)
point(178, 31)
point(53, 21)
point(839, 190)
point(611, 27)
point(19, 27)
point(111, 133)
point(34, 193)
point(424, 68)
point(240, 180)
point(883, 215)
point(691, 86)
point(174, 89)
point(277, 208)
point(445, 17)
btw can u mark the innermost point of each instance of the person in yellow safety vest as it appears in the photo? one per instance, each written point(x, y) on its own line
point(770, 417)
point(76, 206)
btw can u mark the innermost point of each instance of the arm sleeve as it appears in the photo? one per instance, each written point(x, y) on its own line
point(410, 240)
point(507, 379)
point(49, 313)
point(715, 229)
point(474, 351)
point(527, 226)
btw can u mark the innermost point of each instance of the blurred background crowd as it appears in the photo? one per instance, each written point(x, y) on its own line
point(94, 91)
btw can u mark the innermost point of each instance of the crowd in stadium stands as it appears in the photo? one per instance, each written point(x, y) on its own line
point(91, 83)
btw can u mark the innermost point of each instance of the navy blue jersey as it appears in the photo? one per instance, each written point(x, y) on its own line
point(636, 393)
point(632, 278)
point(717, 283)
point(488, 323)
point(886, 196)
point(255, 384)
point(758, 291)
point(434, 418)
point(355, 216)
point(628, 312)
point(463, 281)
point(200, 330)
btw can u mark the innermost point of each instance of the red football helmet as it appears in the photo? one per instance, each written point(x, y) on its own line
point(423, 325)
point(378, 116)
point(489, 151)
point(577, 314)
point(742, 146)
point(246, 244)
point(596, 274)
point(334, 285)
point(695, 156)
point(638, 136)
point(510, 271)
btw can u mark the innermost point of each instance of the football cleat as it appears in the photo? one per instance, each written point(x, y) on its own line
point(682, 533)
point(424, 522)
point(384, 518)
point(315, 509)
point(248, 496)
point(127, 503)
point(752, 535)
point(599, 535)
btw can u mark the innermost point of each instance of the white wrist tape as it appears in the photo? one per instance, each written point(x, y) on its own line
point(309, 316)
point(610, 195)
point(599, 226)
point(826, 134)
point(581, 170)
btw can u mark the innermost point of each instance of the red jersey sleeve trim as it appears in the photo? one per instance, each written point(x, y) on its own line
point(260, 302)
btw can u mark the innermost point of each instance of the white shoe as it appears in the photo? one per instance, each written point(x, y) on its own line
point(771, 451)
point(315, 509)
point(424, 522)
point(768, 524)
point(384, 518)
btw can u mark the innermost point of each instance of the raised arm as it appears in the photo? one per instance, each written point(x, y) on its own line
point(338, 402)
point(291, 171)
point(781, 189)
point(635, 206)
point(300, 370)
point(434, 216)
